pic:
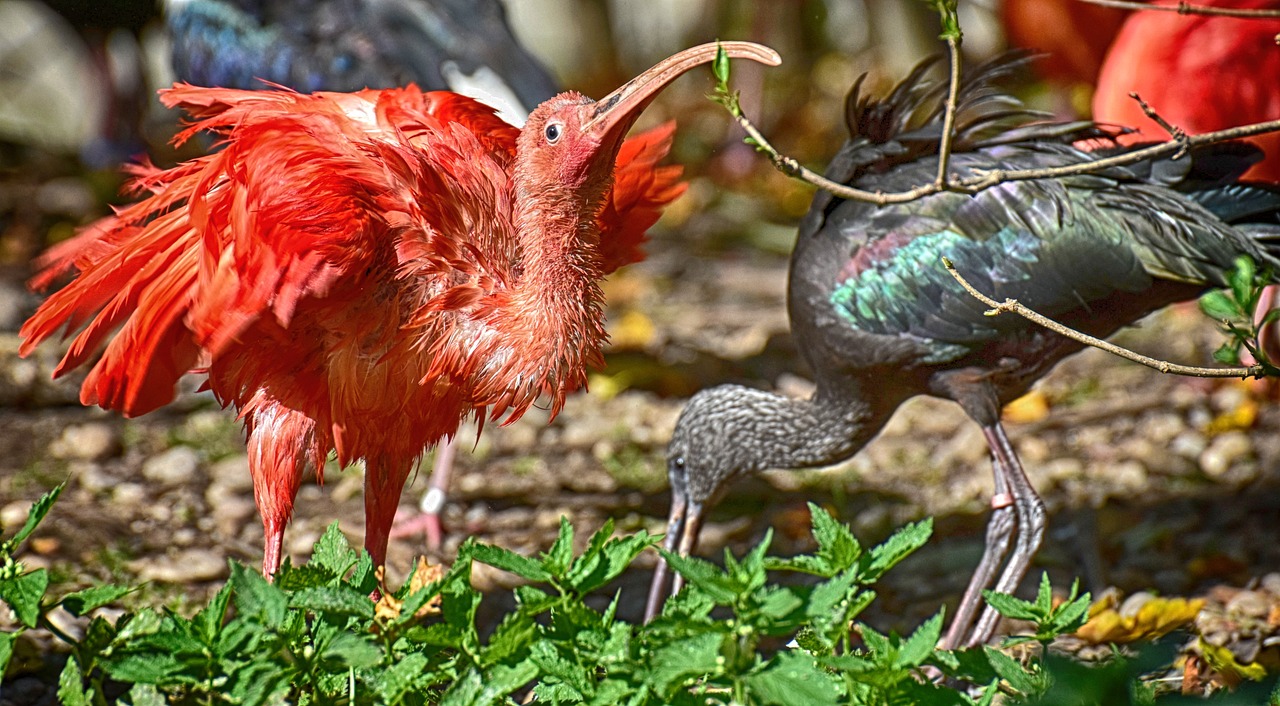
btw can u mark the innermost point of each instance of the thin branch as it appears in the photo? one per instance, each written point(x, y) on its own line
point(1186, 8)
point(949, 113)
point(1175, 132)
point(985, 179)
point(1012, 305)
point(988, 178)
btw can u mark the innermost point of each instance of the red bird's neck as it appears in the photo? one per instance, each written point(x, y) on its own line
point(556, 314)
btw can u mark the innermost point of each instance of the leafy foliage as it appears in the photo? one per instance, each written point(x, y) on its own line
point(1233, 308)
point(315, 637)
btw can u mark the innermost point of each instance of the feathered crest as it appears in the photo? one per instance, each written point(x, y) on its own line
point(906, 125)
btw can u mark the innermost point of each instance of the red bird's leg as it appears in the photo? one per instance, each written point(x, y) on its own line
point(433, 500)
point(999, 533)
point(1269, 333)
point(1030, 512)
point(276, 460)
point(383, 483)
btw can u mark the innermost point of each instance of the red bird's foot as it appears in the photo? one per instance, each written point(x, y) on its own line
point(427, 523)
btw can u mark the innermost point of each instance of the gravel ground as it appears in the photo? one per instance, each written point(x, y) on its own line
point(1154, 484)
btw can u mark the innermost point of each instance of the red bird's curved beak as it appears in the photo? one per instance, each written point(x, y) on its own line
point(610, 117)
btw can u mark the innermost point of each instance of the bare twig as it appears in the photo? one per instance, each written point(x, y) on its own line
point(1012, 305)
point(988, 178)
point(1186, 8)
point(949, 113)
point(1175, 133)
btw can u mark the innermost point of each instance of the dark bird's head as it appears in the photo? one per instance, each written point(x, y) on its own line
point(730, 431)
point(567, 148)
point(723, 433)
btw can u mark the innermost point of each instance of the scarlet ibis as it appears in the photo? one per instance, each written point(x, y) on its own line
point(465, 46)
point(879, 320)
point(359, 272)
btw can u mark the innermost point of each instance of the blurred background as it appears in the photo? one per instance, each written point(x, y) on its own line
point(1152, 481)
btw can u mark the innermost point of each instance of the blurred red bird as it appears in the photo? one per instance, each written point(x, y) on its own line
point(360, 272)
point(1199, 72)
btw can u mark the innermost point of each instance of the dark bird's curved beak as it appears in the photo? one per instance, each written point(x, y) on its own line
point(610, 117)
point(683, 527)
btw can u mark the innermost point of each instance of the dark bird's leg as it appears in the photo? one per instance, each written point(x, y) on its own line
point(999, 533)
point(1030, 512)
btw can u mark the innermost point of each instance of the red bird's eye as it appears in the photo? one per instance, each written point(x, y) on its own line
point(553, 133)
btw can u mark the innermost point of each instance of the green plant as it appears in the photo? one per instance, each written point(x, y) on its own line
point(315, 637)
point(1233, 308)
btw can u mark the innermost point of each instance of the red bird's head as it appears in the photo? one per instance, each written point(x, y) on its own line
point(566, 150)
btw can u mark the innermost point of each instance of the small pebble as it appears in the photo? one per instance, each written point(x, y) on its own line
point(176, 466)
point(89, 442)
point(189, 565)
point(1249, 604)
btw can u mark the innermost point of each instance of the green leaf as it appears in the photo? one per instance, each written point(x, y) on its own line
point(398, 679)
point(705, 576)
point(340, 600)
point(348, 649)
point(71, 691)
point(835, 542)
point(553, 664)
point(333, 552)
point(513, 635)
point(89, 599)
point(915, 650)
point(896, 548)
point(1220, 307)
point(1070, 616)
point(1011, 607)
point(1044, 596)
point(507, 560)
point(145, 695)
point(208, 622)
point(693, 657)
point(1228, 353)
point(255, 598)
point(557, 559)
point(35, 515)
point(614, 558)
point(1242, 280)
point(720, 67)
point(794, 679)
point(1011, 671)
point(23, 594)
point(7, 640)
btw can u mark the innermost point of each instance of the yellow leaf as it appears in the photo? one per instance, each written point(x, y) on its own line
point(1240, 417)
point(1157, 617)
point(389, 607)
point(1031, 407)
point(1224, 662)
point(632, 330)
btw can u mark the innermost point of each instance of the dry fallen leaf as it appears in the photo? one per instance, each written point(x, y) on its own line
point(1156, 617)
point(389, 607)
point(1238, 418)
point(1031, 407)
point(633, 330)
point(1228, 668)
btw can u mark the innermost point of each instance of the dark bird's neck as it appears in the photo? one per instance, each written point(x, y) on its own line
point(730, 431)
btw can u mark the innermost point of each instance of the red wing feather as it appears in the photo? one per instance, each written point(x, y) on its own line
point(641, 189)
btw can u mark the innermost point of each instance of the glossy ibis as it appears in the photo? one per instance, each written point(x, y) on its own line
point(879, 320)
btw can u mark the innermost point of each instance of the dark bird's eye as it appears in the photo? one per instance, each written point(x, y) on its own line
point(678, 463)
point(553, 133)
